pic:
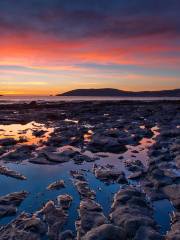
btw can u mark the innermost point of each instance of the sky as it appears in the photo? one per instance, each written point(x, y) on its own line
point(52, 46)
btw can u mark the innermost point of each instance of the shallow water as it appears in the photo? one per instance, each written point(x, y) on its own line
point(40, 176)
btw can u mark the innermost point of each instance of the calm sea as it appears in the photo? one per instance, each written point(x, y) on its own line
point(26, 99)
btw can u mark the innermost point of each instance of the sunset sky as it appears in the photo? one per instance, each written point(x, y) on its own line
point(51, 46)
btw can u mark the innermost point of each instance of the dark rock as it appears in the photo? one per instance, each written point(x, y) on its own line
point(91, 216)
point(105, 232)
point(56, 185)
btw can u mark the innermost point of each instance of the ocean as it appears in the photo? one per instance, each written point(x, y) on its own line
point(27, 99)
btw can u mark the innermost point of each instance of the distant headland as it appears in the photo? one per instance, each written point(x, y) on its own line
point(111, 92)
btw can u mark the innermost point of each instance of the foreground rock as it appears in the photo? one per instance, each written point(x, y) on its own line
point(109, 174)
point(131, 211)
point(24, 227)
point(10, 202)
point(55, 217)
point(105, 232)
point(82, 186)
point(11, 173)
point(91, 216)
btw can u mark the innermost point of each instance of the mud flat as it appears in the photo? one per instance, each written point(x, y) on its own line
point(114, 168)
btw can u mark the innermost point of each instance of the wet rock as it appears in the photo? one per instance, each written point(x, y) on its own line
point(10, 202)
point(82, 185)
point(78, 175)
point(91, 216)
point(131, 211)
point(21, 153)
point(173, 193)
point(84, 190)
point(11, 173)
point(134, 165)
point(56, 157)
point(40, 160)
point(102, 143)
point(24, 227)
point(66, 235)
point(55, 218)
point(80, 158)
point(105, 232)
point(158, 178)
point(56, 185)
point(147, 233)
point(64, 201)
point(13, 198)
point(109, 174)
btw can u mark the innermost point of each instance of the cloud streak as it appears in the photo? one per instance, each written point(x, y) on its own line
point(45, 38)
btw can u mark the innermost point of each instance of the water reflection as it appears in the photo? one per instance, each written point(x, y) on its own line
point(30, 133)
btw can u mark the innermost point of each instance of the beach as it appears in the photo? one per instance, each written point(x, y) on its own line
point(80, 169)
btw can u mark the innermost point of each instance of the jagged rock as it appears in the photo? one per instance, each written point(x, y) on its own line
point(91, 216)
point(101, 143)
point(82, 185)
point(64, 201)
point(109, 174)
point(105, 232)
point(24, 227)
point(10, 202)
point(11, 173)
point(55, 218)
point(131, 211)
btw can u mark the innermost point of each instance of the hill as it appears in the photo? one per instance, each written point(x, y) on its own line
point(111, 92)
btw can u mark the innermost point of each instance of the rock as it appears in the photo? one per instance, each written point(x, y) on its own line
point(131, 211)
point(84, 190)
point(174, 233)
point(66, 235)
point(109, 174)
point(55, 157)
point(64, 201)
point(173, 193)
point(136, 175)
point(24, 227)
point(21, 153)
point(91, 216)
point(56, 185)
point(102, 143)
point(40, 160)
point(158, 178)
point(10, 202)
point(82, 185)
point(147, 233)
point(105, 232)
point(7, 210)
point(55, 218)
point(10, 173)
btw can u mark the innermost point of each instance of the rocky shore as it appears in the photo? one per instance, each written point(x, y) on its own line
point(131, 145)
